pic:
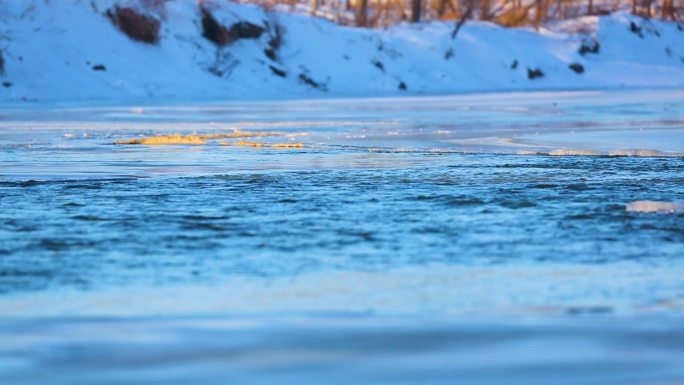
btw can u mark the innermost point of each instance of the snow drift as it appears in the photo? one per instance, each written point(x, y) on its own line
point(85, 50)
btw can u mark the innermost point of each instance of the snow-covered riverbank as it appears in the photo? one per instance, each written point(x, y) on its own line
point(73, 52)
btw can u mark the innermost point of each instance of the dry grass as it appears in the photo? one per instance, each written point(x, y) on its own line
point(193, 138)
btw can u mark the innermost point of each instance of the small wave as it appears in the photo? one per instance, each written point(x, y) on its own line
point(655, 207)
point(15, 147)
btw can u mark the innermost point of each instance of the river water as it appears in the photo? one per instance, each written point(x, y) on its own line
point(526, 238)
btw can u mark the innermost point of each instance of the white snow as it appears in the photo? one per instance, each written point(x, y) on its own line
point(50, 48)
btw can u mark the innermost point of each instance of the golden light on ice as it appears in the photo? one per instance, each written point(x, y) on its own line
point(172, 139)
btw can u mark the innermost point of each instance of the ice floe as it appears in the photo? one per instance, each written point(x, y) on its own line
point(655, 207)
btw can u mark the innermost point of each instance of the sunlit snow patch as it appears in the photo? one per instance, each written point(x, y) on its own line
point(166, 140)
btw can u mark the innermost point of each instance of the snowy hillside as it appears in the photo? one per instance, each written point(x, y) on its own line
point(77, 50)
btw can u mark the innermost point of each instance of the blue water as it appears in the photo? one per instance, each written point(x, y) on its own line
point(409, 241)
point(450, 209)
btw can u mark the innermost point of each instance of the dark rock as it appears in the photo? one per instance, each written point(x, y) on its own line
point(590, 46)
point(534, 73)
point(378, 64)
point(99, 67)
point(135, 25)
point(246, 30)
point(2, 64)
point(7, 84)
point(402, 86)
point(514, 65)
point(577, 68)
point(449, 54)
point(278, 72)
point(213, 31)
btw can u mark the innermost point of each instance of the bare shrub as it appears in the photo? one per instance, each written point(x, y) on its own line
point(135, 25)
point(275, 31)
point(277, 71)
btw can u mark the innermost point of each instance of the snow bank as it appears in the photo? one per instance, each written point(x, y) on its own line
point(57, 51)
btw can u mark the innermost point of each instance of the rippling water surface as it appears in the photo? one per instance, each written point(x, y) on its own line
point(409, 241)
